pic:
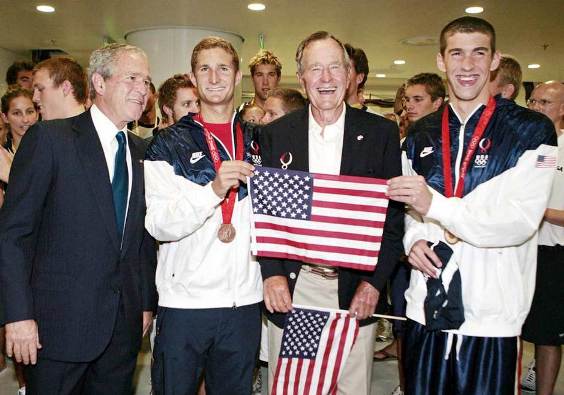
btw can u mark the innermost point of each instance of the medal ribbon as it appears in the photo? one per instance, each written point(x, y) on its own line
point(228, 204)
point(474, 142)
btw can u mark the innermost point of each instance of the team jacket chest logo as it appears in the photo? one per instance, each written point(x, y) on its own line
point(481, 159)
point(426, 151)
point(196, 156)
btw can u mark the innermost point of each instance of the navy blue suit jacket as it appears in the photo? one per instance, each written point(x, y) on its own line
point(61, 262)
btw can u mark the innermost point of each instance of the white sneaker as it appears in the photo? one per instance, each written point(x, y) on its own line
point(21, 391)
point(397, 391)
point(529, 381)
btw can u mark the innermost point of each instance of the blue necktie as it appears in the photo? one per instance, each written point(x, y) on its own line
point(120, 182)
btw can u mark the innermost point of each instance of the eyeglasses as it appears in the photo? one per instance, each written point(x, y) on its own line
point(540, 102)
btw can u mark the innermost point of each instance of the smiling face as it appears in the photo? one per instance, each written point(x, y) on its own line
point(325, 75)
point(21, 116)
point(467, 62)
point(123, 96)
point(215, 76)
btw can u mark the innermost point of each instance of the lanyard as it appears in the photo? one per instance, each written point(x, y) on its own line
point(228, 204)
point(474, 142)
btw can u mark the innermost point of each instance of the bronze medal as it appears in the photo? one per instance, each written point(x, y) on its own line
point(226, 233)
point(450, 238)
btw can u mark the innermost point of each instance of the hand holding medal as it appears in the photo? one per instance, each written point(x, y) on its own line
point(229, 175)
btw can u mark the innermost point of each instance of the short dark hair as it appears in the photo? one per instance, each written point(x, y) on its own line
point(292, 99)
point(169, 89)
point(467, 24)
point(63, 69)
point(210, 43)
point(265, 56)
point(509, 71)
point(432, 82)
point(318, 36)
point(360, 62)
point(15, 68)
point(13, 92)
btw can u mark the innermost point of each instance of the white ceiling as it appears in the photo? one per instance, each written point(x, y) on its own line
point(529, 30)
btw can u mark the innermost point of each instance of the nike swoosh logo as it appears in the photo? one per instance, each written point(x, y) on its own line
point(196, 156)
point(426, 151)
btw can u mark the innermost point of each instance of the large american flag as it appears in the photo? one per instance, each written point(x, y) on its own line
point(315, 346)
point(317, 218)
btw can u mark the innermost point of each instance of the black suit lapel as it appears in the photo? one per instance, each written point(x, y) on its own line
point(299, 142)
point(353, 138)
point(137, 194)
point(96, 171)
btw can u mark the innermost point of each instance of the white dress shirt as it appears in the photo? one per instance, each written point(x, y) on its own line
point(107, 132)
point(325, 150)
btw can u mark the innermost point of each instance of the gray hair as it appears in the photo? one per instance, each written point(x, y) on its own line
point(103, 61)
point(319, 36)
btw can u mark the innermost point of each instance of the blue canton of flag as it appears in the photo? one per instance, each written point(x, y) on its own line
point(283, 194)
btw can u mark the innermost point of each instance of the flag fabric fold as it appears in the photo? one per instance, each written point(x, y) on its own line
point(317, 218)
point(315, 347)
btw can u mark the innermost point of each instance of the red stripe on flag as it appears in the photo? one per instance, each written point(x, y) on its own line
point(325, 360)
point(339, 357)
point(295, 257)
point(352, 192)
point(347, 221)
point(361, 180)
point(287, 375)
point(317, 232)
point(350, 207)
point(318, 247)
point(276, 376)
point(297, 376)
point(309, 376)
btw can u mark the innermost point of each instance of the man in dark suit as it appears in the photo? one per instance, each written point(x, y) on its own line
point(332, 138)
point(76, 265)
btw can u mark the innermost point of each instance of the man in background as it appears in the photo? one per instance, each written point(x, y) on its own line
point(177, 98)
point(60, 88)
point(21, 73)
point(266, 71)
point(544, 326)
point(280, 102)
point(506, 79)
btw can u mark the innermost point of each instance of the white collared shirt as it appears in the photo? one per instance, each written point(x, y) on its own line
point(325, 151)
point(107, 132)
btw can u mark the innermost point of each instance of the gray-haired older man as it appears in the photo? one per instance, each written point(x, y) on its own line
point(76, 265)
point(332, 138)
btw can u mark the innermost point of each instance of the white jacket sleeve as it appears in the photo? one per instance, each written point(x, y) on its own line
point(504, 211)
point(176, 207)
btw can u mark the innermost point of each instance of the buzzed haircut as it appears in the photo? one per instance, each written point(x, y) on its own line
point(467, 24)
point(265, 56)
point(292, 99)
point(318, 36)
point(360, 62)
point(510, 72)
point(63, 69)
point(211, 43)
point(168, 91)
point(432, 82)
point(15, 68)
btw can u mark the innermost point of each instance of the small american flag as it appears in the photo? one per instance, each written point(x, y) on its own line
point(317, 218)
point(315, 347)
point(546, 161)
